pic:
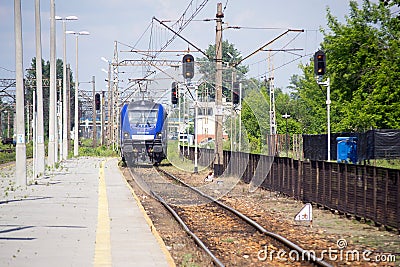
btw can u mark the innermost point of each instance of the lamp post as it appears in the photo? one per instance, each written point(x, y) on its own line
point(64, 113)
point(76, 132)
point(53, 90)
point(286, 116)
point(20, 149)
point(39, 163)
point(109, 101)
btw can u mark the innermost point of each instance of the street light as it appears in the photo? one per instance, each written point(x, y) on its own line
point(110, 99)
point(286, 116)
point(64, 113)
point(76, 135)
point(39, 163)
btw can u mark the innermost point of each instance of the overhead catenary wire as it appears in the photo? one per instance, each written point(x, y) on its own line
point(282, 65)
point(183, 38)
point(181, 23)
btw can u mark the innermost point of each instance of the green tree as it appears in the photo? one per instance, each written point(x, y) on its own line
point(308, 102)
point(207, 67)
point(31, 75)
point(286, 104)
point(364, 66)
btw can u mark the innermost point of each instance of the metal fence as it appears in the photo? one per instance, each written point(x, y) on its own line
point(373, 144)
point(362, 191)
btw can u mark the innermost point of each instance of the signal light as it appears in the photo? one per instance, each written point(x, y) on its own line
point(235, 93)
point(174, 93)
point(188, 66)
point(97, 101)
point(319, 63)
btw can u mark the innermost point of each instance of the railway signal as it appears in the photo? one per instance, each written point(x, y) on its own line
point(188, 66)
point(319, 63)
point(319, 70)
point(174, 93)
point(97, 101)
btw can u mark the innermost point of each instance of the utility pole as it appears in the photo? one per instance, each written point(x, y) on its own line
point(76, 115)
point(196, 114)
point(58, 126)
point(328, 114)
point(94, 124)
point(68, 104)
point(287, 116)
point(218, 159)
point(272, 113)
point(64, 110)
point(115, 104)
point(109, 107)
point(76, 101)
point(102, 118)
point(320, 70)
point(64, 117)
point(34, 137)
point(52, 89)
point(233, 112)
point(327, 84)
point(40, 163)
point(240, 117)
point(20, 148)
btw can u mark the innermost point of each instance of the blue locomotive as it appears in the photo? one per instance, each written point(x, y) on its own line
point(143, 132)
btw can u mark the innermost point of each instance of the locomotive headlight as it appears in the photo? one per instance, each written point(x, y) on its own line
point(126, 135)
point(159, 135)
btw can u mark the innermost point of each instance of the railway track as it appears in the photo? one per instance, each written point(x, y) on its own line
point(228, 236)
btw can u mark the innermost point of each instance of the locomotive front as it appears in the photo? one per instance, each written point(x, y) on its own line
point(143, 132)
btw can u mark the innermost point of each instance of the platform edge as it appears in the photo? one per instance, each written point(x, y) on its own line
point(153, 229)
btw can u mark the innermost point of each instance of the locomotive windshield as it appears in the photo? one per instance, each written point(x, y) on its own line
point(147, 117)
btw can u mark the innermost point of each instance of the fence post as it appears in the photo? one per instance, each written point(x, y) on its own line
point(316, 181)
point(355, 191)
point(386, 198)
point(346, 186)
point(330, 183)
point(375, 197)
point(293, 182)
point(398, 201)
point(324, 184)
point(301, 178)
point(365, 185)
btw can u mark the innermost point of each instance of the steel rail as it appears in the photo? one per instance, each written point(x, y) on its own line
point(183, 224)
point(312, 258)
point(187, 230)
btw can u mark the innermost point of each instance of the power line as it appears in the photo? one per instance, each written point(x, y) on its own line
point(226, 3)
point(181, 23)
point(7, 69)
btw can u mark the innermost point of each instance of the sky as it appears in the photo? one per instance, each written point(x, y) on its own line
point(126, 22)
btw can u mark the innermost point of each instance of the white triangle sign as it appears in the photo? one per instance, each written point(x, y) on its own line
point(305, 214)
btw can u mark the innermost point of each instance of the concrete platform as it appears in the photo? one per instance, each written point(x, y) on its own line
point(84, 214)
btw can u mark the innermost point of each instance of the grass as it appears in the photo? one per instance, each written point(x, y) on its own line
point(86, 149)
point(187, 261)
point(10, 156)
point(177, 159)
point(386, 163)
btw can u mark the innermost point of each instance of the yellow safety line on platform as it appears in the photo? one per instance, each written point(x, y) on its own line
point(102, 254)
point(153, 229)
